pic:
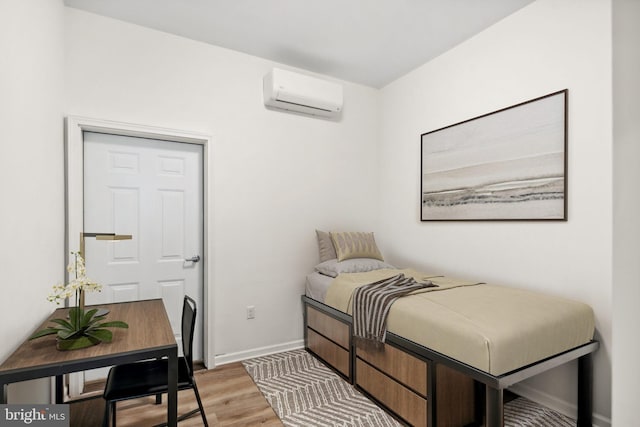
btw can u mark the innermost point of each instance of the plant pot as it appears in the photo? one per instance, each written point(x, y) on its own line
point(75, 343)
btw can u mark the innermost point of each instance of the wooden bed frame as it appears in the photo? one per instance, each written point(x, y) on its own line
point(422, 387)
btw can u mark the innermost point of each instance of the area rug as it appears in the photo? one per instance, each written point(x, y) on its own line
point(522, 412)
point(304, 393)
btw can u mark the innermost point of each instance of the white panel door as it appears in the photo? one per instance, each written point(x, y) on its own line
point(153, 190)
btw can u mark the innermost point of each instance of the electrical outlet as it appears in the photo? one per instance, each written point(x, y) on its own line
point(251, 312)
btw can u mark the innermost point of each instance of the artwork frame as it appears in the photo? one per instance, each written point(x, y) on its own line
point(507, 165)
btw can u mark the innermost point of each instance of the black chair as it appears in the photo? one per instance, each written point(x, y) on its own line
point(148, 378)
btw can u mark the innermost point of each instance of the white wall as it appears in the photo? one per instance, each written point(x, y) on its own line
point(276, 176)
point(626, 210)
point(547, 46)
point(31, 171)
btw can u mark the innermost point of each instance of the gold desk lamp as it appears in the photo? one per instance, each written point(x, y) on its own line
point(99, 236)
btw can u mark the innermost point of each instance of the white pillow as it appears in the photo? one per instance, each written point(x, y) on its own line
point(333, 267)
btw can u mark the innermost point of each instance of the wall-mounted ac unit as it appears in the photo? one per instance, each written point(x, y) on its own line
point(292, 91)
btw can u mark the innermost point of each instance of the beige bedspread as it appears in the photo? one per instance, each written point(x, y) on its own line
point(494, 328)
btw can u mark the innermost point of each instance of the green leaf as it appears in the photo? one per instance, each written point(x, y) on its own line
point(104, 335)
point(74, 315)
point(65, 334)
point(64, 323)
point(96, 319)
point(44, 332)
point(88, 316)
point(113, 324)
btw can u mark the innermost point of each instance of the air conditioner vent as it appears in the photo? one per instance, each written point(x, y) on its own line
point(292, 91)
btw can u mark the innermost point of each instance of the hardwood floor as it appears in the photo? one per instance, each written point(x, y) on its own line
point(229, 397)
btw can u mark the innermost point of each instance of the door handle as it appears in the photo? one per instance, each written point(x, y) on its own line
point(194, 258)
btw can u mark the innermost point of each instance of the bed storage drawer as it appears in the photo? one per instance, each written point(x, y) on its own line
point(403, 367)
point(333, 329)
point(399, 399)
point(400, 381)
point(328, 351)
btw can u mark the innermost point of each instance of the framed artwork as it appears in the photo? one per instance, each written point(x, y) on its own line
point(510, 164)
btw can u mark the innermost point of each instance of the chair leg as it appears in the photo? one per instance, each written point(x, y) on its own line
point(204, 417)
point(158, 396)
point(181, 417)
point(193, 412)
point(107, 415)
point(113, 414)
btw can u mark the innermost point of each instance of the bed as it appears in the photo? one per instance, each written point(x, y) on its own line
point(450, 350)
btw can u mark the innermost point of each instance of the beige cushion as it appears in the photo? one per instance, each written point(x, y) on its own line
point(357, 244)
point(325, 246)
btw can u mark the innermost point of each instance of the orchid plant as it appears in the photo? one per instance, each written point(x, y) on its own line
point(81, 283)
point(82, 328)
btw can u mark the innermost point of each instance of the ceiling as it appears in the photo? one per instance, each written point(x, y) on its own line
point(371, 42)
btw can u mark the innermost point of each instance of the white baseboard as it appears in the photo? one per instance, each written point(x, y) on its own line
point(558, 405)
point(223, 359)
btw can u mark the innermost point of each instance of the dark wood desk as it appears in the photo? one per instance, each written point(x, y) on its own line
point(149, 336)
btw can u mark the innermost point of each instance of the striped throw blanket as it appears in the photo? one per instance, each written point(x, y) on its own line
point(372, 302)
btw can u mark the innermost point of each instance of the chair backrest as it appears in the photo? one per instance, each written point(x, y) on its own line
point(188, 327)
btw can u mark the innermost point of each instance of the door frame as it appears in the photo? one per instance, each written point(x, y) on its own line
point(74, 194)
